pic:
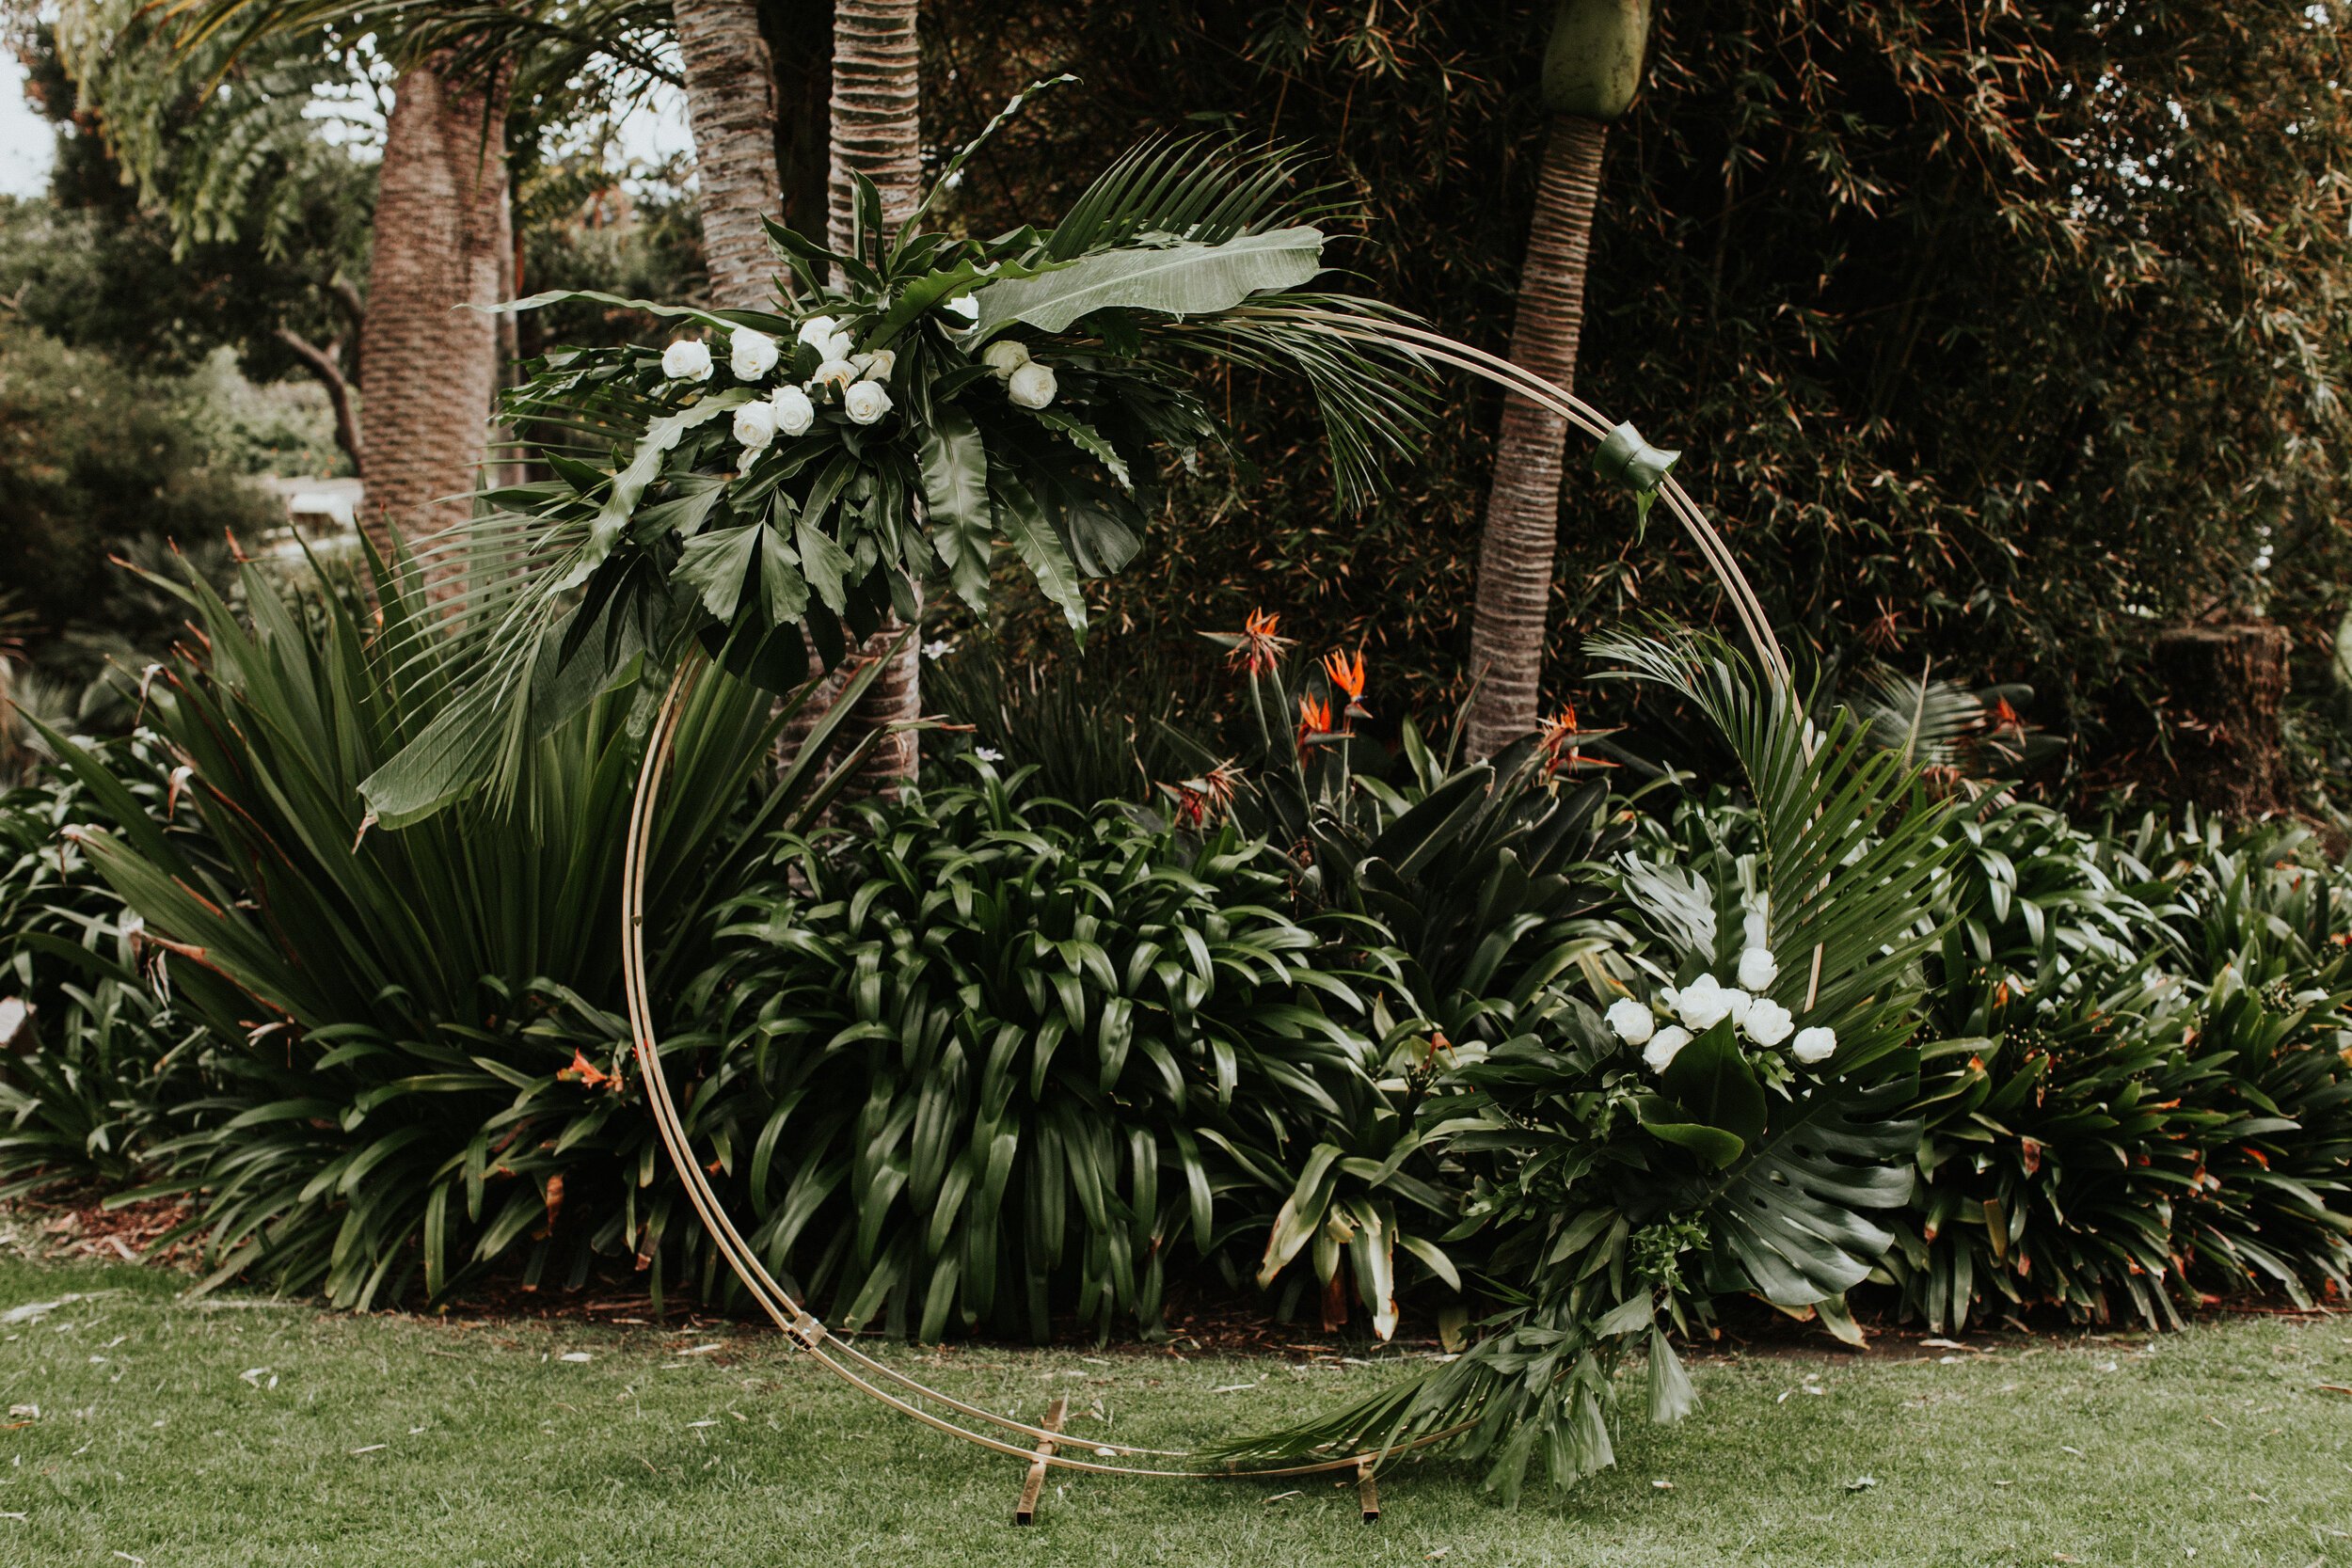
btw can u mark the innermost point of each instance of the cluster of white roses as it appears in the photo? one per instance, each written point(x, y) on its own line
point(855, 378)
point(1028, 382)
point(1707, 1001)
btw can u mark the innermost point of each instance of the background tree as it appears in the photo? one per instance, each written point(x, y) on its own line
point(731, 102)
point(1591, 68)
point(877, 132)
point(1959, 310)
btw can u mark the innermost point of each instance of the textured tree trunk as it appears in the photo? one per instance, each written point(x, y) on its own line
point(1515, 555)
point(2224, 688)
point(877, 132)
point(731, 102)
point(429, 369)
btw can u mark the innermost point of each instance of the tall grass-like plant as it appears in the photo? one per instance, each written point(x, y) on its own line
point(393, 1093)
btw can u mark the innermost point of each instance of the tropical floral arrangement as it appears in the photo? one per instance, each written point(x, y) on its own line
point(1708, 1093)
point(777, 482)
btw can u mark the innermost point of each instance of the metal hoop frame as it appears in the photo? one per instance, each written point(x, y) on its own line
point(845, 1360)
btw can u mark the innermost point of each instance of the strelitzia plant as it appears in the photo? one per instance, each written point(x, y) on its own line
point(777, 480)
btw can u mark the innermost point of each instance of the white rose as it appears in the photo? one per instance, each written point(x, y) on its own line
point(1814, 1045)
point(1665, 1046)
point(752, 354)
point(1634, 1022)
point(818, 331)
point(1669, 998)
point(1738, 1002)
point(1702, 1003)
point(865, 402)
point(1768, 1023)
point(755, 425)
point(1759, 969)
point(963, 306)
point(835, 374)
point(1032, 386)
point(840, 346)
point(794, 412)
point(879, 364)
point(1004, 356)
point(687, 360)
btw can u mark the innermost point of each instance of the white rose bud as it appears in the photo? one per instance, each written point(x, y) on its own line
point(687, 360)
point(1665, 1046)
point(752, 354)
point(865, 402)
point(818, 331)
point(794, 412)
point(1004, 356)
point(840, 346)
point(1768, 1023)
point(1759, 969)
point(755, 425)
point(1032, 386)
point(1702, 1003)
point(1738, 1002)
point(1814, 1045)
point(878, 365)
point(1634, 1022)
point(835, 374)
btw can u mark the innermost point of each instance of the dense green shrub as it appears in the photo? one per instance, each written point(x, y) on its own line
point(1015, 1055)
point(103, 1058)
point(90, 460)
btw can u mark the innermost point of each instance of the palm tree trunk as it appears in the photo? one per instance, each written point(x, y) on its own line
point(428, 369)
point(878, 132)
point(1516, 552)
point(731, 102)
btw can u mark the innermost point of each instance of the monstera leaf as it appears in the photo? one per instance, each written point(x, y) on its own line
point(1184, 278)
point(1795, 1219)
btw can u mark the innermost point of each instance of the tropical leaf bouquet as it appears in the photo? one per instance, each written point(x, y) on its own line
point(774, 484)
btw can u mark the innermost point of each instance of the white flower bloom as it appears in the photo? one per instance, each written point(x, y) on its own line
point(687, 360)
point(1815, 1045)
point(1004, 356)
point(1739, 1002)
point(840, 346)
point(794, 412)
point(987, 754)
point(940, 649)
point(1634, 1022)
point(1759, 969)
point(1768, 1023)
point(835, 374)
point(877, 365)
point(755, 425)
point(1702, 1003)
point(965, 307)
point(865, 402)
point(1669, 999)
point(751, 355)
point(818, 331)
point(1665, 1046)
point(1032, 386)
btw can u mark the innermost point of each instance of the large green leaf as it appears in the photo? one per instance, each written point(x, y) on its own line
point(1185, 278)
point(1794, 1218)
point(954, 460)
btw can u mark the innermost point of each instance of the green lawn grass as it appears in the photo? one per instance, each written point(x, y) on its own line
point(230, 1431)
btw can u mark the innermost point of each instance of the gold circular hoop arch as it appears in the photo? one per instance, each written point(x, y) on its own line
point(846, 1361)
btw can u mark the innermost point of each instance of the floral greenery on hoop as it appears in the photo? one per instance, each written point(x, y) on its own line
point(801, 473)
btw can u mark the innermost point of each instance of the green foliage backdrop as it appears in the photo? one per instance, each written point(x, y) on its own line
point(1996, 332)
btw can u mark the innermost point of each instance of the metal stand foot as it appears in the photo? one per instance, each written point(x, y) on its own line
point(1024, 1511)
